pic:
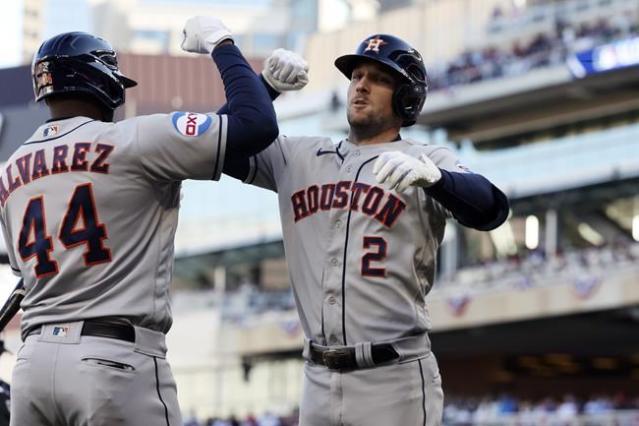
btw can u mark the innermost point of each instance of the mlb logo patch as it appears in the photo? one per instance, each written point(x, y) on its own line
point(60, 331)
point(191, 123)
point(51, 130)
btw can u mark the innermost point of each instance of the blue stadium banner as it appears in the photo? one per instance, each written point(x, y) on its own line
point(611, 56)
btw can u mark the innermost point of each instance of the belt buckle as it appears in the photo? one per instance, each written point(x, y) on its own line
point(333, 358)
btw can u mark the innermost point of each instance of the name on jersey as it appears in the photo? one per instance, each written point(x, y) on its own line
point(78, 157)
point(357, 196)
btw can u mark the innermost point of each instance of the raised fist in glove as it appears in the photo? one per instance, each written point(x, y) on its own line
point(203, 33)
point(398, 171)
point(285, 70)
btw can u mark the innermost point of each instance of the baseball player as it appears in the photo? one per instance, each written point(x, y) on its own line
point(89, 210)
point(362, 222)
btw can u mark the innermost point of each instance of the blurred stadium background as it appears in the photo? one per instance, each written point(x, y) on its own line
point(535, 323)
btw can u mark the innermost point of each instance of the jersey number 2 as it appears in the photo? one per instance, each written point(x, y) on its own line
point(79, 226)
point(376, 253)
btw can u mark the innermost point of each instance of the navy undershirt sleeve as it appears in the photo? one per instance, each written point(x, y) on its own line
point(252, 124)
point(236, 163)
point(272, 93)
point(472, 199)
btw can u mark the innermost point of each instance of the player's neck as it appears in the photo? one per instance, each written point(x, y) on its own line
point(77, 108)
point(359, 137)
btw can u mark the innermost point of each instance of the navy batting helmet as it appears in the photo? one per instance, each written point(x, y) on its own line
point(79, 63)
point(401, 60)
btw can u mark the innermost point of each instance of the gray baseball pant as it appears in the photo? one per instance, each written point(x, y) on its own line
point(404, 394)
point(64, 379)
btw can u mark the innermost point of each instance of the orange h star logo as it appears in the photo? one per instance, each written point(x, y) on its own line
point(374, 44)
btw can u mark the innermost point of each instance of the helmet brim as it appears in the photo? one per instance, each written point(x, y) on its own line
point(347, 63)
point(127, 82)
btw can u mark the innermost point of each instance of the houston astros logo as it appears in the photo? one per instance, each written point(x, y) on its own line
point(374, 44)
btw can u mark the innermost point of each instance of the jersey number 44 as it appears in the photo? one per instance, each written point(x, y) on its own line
point(80, 226)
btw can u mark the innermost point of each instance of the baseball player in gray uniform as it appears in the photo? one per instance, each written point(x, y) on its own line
point(362, 222)
point(89, 210)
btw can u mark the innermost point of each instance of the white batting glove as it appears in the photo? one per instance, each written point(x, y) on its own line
point(285, 70)
point(203, 33)
point(398, 171)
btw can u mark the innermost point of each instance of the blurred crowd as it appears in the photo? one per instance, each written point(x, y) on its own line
point(619, 410)
point(540, 51)
point(266, 419)
point(583, 268)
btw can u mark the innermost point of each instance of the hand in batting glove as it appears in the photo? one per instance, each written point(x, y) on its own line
point(398, 171)
point(285, 70)
point(203, 33)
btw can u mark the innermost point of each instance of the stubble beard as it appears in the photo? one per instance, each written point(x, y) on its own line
point(367, 127)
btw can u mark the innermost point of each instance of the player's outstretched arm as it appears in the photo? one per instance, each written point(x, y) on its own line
point(283, 71)
point(252, 124)
point(470, 197)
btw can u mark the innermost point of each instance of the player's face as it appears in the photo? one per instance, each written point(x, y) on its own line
point(370, 96)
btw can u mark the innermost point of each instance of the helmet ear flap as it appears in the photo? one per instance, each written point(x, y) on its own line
point(408, 101)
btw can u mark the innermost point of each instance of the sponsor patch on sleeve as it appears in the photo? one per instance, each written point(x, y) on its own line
point(191, 123)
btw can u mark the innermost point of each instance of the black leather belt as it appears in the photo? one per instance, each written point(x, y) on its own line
point(101, 328)
point(344, 358)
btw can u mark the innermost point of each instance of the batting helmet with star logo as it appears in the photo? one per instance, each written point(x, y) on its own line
point(403, 61)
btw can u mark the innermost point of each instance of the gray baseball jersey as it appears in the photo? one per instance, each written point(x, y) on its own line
point(361, 257)
point(89, 211)
point(361, 260)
